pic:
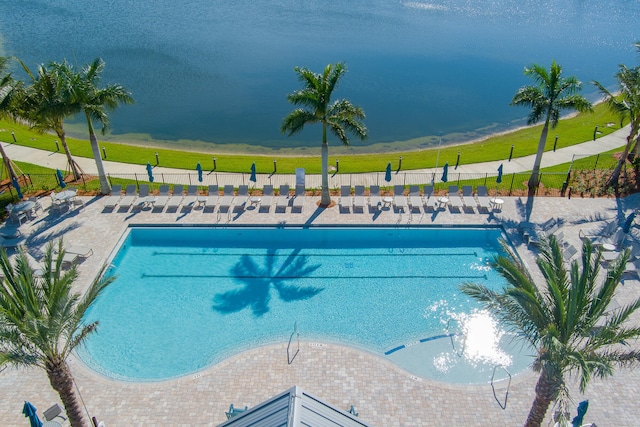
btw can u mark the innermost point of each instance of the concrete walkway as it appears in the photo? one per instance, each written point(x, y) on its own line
point(56, 160)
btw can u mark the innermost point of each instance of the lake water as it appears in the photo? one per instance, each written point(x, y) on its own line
point(219, 71)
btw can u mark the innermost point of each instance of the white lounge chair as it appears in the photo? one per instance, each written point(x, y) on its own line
point(267, 197)
point(143, 196)
point(454, 198)
point(129, 197)
point(176, 198)
point(162, 198)
point(467, 197)
point(345, 197)
point(298, 200)
point(482, 197)
point(191, 197)
point(227, 197)
point(243, 196)
point(569, 253)
point(399, 200)
point(114, 197)
point(283, 197)
point(358, 200)
point(212, 197)
point(374, 197)
point(430, 201)
point(414, 197)
point(598, 233)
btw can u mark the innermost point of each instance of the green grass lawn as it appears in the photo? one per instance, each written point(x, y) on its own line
point(571, 131)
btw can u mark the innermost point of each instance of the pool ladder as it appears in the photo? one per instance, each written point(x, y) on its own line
point(506, 394)
point(295, 332)
point(460, 352)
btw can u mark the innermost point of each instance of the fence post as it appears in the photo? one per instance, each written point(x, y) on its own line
point(136, 176)
point(513, 177)
point(596, 164)
point(486, 175)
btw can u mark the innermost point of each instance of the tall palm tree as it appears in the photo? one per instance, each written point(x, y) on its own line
point(9, 90)
point(626, 104)
point(338, 117)
point(46, 105)
point(551, 94)
point(566, 322)
point(94, 101)
point(41, 320)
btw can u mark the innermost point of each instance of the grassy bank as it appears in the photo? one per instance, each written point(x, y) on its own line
point(570, 131)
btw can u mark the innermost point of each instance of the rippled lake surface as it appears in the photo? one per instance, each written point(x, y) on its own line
point(220, 71)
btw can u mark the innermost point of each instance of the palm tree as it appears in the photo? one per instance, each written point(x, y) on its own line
point(83, 89)
point(567, 322)
point(9, 89)
point(46, 106)
point(338, 116)
point(41, 320)
point(551, 94)
point(626, 104)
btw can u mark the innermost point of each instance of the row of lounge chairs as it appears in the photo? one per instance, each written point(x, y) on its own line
point(173, 200)
point(415, 199)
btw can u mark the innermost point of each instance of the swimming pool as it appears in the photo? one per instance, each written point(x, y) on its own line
point(188, 297)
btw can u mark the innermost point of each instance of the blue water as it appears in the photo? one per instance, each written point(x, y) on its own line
point(187, 298)
point(219, 71)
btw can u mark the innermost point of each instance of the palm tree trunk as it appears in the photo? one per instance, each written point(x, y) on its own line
point(535, 172)
point(104, 183)
point(547, 390)
point(325, 199)
point(62, 382)
point(72, 163)
point(615, 175)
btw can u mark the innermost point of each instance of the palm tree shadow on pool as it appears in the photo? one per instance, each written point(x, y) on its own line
point(257, 281)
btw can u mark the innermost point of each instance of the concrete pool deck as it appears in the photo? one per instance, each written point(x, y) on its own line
point(383, 394)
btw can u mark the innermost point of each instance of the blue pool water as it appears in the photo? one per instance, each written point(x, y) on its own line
point(186, 298)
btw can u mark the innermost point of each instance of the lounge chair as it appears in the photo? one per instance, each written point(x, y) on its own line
point(374, 197)
point(59, 205)
point(234, 411)
point(14, 215)
point(345, 197)
point(227, 197)
point(53, 412)
point(143, 196)
point(613, 242)
point(454, 198)
point(162, 198)
point(534, 236)
point(482, 197)
point(191, 197)
point(569, 253)
point(632, 269)
point(176, 198)
point(129, 197)
point(414, 197)
point(399, 200)
point(467, 197)
point(267, 197)
point(243, 196)
point(212, 197)
point(430, 201)
point(606, 231)
point(283, 197)
point(298, 200)
point(526, 227)
point(359, 201)
point(114, 197)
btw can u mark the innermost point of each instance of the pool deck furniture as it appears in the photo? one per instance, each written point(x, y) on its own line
point(212, 197)
point(144, 198)
point(243, 196)
point(227, 197)
point(176, 199)
point(454, 198)
point(414, 197)
point(191, 198)
point(443, 202)
point(359, 201)
point(267, 197)
point(18, 212)
point(387, 201)
point(162, 198)
point(374, 197)
point(399, 199)
point(114, 197)
point(429, 200)
point(482, 197)
point(497, 203)
point(467, 197)
point(345, 200)
point(298, 200)
point(283, 197)
point(55, 411)
point(129, 197)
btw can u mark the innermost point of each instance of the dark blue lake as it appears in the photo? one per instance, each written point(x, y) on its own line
point(219, 71)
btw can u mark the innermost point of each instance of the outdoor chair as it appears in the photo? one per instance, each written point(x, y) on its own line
point(345, 197)
point(175, 200)
point(283, 197)
point(298, 200)
point(482, 197)
point(113, 198)
point(234, 411)
point(467, 197)
point(267, 197)
point(399, 200)
point(454, 198)
point(53, 412)
point(212, 196)
point(359, 201)
point(414, 197)
point(374, 197)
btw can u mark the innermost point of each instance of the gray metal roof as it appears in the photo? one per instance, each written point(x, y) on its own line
point(294, 407)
